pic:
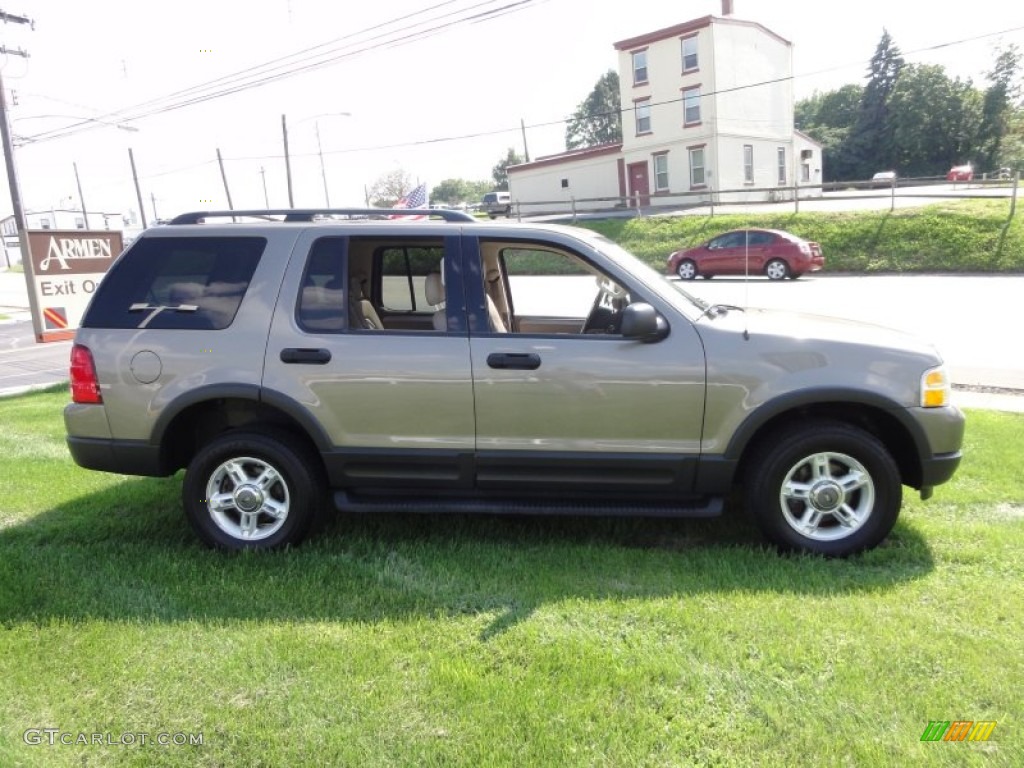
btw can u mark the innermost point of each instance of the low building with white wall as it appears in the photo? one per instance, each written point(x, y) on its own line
point(707, 110)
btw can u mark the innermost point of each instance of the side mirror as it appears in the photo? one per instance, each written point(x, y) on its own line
point(641, 322)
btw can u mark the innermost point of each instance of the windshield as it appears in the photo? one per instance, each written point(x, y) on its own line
point(669, 290)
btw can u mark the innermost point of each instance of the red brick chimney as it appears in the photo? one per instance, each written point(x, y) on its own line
point(727, 7)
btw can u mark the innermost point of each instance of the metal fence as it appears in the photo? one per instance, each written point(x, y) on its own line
point(709, 198)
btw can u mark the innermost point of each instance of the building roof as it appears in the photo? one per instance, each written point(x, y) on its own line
point(690, 26)
point(569, 156)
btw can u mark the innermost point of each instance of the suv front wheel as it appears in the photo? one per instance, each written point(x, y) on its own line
point(250, 490)
point(826, 488)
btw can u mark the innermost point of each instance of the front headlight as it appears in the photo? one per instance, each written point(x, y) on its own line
point(935, 387)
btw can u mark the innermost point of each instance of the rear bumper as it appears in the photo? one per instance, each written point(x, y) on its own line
point(123, 457)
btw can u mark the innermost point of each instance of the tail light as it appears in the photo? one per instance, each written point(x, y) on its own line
point(85, 386)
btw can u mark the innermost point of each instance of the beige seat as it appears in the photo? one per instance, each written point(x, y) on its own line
point(498, 324)
point(434, 290)
point(363, 313)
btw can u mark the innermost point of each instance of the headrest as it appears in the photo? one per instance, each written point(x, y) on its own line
point(492, 275)
point(434, 289)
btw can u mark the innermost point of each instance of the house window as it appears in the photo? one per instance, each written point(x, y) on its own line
point(782, 165)
point(643, 116)
point(689, 53)
point(640, 67)
point(79, 222)
point(661, 172)
point(805, 172)
point(691, 106)
point(748, 163)
point(44, 223)
point(697, 167)
point(565, 183)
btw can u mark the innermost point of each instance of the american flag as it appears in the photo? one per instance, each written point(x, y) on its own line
point(415, 199)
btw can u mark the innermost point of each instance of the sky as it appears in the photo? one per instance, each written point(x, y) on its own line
point(436, 89)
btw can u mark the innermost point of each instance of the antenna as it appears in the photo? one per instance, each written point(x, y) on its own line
point(746, 282)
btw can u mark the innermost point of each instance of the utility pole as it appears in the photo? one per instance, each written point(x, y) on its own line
point(323, 169)
point(138, 192)
point(12, 174)
point(287, 161)
point(526, 149)
point(152, 199)
point(224, 178)
point(81, 198)
point(266, 197)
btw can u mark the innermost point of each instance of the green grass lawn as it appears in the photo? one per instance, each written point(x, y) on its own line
point(949, 236)
point(475, 641)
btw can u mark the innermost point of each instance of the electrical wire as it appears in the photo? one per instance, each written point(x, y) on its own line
point(278, 69)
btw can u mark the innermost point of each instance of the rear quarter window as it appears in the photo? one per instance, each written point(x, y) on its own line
point(186, 283)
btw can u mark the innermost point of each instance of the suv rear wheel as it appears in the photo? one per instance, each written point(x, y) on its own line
point(827, 488)
point(250, 490)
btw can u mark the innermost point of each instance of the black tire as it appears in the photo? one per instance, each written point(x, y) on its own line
point(686, 269)
point(777, 269)
point(795, 275)
point(810, 459)
point(286, 491)
point(707, 277)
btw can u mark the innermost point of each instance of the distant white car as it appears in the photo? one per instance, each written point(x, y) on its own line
point(883, 179)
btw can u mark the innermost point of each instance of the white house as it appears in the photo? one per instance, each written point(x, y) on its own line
point(707, 110)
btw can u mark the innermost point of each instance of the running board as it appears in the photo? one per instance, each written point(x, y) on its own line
point(346, 502)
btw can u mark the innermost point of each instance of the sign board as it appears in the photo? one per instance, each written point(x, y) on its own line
point(64, 269)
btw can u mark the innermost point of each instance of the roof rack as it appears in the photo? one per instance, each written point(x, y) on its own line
point(308, 214)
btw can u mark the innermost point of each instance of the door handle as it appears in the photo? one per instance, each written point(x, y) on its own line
point(527, 361)
point(305, 355)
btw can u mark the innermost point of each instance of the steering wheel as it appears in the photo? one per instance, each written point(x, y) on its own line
point(605, 315)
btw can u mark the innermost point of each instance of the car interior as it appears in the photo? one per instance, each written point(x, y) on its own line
point(398, 284)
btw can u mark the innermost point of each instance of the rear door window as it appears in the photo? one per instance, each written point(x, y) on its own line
point(187, 283)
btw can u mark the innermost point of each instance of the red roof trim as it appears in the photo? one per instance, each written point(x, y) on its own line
point(687, 27)
point(570, 156)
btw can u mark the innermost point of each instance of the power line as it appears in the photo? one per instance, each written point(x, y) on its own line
point(276, 69)
point(508, 8)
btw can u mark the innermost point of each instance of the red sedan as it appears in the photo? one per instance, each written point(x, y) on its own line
point(770, 252)
point(961, 173)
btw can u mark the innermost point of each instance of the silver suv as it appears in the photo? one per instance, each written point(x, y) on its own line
point(461, 366)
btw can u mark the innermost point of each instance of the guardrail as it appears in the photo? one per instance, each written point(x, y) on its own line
point(712, 198)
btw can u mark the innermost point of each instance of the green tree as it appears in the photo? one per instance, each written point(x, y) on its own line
point(453, 191)
point(829, 118)
point(832, 109)
point(389, 188)
point(935, 121)
point(870, 141)
point(598, 118)
point(997, 109)
point(500, 171)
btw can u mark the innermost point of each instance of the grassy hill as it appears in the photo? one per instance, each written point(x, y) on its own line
point(958, 236)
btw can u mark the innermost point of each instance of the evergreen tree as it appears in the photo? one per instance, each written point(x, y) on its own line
point(870, 141)
point(598, 118)
point(997, 110)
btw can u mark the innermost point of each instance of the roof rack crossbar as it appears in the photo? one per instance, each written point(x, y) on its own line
point(307, 214)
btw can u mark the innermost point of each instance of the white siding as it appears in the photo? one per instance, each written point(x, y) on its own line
point(752, 71)
point(539, 189)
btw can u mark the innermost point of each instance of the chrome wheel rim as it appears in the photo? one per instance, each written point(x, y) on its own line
point(247, 498)
point(687, 270)
point(827, 496)
point(776, 270)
